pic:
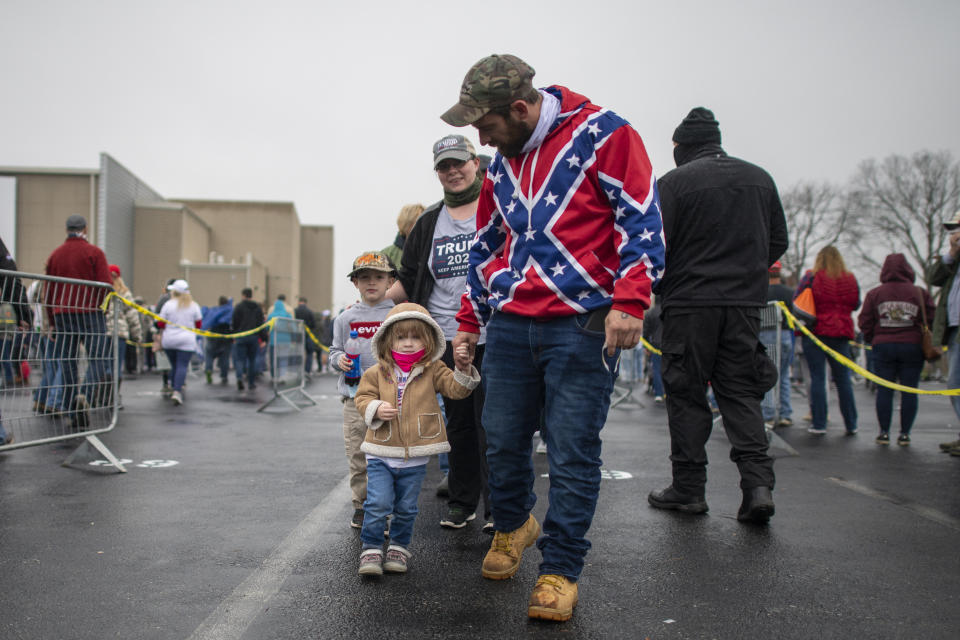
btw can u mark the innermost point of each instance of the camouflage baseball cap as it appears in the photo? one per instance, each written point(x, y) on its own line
point(494, 81)
point(453, 146)
point(373, 260)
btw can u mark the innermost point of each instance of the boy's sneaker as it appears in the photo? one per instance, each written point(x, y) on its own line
point(371, 562)
point(947, 446)
point(357, 520)
point(457, 518)
point(883, 438)
point(903, 440)
point(396, 559)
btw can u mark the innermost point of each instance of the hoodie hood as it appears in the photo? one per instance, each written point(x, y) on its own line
point(403, 312)
point(280, 310)
point(897, 269)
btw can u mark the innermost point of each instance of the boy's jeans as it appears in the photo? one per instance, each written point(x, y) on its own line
point(395, 491)
point(560, 367)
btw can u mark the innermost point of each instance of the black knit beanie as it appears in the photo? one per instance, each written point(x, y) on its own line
point(699, 127)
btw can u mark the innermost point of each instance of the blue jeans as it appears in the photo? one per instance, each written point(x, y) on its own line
point(217, 350)
point(245, 350)
point(817, 360)
point(768, 337)
point(91, 329)
point(179, 362)
point(903, 362)
point(389, 491)
point(953, 375)
point(653, 363)
point(559, 367)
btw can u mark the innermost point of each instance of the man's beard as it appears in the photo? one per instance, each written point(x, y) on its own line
point(518, 132)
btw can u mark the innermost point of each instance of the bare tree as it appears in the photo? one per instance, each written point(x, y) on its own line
point(900, 205)
point(815, 218)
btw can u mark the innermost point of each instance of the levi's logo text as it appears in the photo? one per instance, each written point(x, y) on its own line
point(451, 255)
point(365, 329)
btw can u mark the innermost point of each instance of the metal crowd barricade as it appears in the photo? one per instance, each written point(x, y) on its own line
point(771, 325)
point(286, 356)
point(631, 371)
point(68, 388)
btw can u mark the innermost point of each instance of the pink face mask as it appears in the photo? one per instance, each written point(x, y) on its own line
point(406, 360)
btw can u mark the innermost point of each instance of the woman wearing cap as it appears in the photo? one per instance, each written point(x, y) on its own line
point(179, 312)
point(433, 274)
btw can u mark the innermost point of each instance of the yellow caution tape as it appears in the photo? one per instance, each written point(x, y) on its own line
point(850, 364)
point(314, 338)
point(200, 332)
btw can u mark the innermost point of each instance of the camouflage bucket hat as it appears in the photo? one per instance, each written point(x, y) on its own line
point(494, 81)
point(373, 260)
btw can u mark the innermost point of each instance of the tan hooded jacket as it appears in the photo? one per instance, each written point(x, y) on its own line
point(419, 430)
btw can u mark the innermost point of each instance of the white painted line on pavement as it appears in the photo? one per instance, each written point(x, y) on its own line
point(230, 620)
point(922, 511)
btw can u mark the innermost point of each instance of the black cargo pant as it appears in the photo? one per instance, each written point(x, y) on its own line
point(467, 477)
point(718, 345)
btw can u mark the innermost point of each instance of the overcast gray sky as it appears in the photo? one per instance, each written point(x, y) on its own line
point(335, 106)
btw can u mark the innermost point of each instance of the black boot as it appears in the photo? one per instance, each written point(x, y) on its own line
point(757, 505)
point(670, 498)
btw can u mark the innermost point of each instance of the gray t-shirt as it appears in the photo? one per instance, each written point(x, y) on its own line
point(448, 264)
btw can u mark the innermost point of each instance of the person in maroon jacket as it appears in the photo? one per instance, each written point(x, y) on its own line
point(76, 315)
point(890, 320)
point(836, 295)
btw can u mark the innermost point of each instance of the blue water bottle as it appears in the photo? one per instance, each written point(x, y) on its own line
point(352, 351)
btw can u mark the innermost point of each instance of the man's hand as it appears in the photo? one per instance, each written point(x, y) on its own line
point(955, 244)
point(464, 345)
point(623, 331)
point(386, 412)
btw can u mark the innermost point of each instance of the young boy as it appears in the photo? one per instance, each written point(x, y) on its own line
point(372, 275)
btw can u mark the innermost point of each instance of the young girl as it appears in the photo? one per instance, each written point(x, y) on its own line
point(398, 401)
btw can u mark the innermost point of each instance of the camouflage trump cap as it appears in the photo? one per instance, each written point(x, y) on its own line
point(373, 260)
point(494, 81)
point(453, 146)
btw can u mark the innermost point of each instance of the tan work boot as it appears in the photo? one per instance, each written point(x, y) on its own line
point(503, 559)
point(553, 598)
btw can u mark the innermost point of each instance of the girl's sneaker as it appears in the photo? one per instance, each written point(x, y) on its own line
point(396, 560)
point(371, 562)
point(903, 440)
point(883, 438)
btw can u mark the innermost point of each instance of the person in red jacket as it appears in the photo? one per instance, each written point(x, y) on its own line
point(76, 315)
point(836, 295)
point(891, 319)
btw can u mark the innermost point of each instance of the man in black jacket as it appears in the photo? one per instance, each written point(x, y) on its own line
point(724, 226)
point(247, 315)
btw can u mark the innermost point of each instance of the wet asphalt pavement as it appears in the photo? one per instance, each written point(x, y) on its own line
point(234, 524)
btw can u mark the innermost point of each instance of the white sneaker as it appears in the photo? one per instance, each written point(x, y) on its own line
point(177, 398)
point(542, 447)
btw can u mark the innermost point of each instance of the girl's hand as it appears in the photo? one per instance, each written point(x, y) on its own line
point(386, 412)
point(462, 359)
point(345, 363)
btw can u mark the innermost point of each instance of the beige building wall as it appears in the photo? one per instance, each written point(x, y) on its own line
point(210, 281)
point(45, 199)
point(268, 230)
point(316, 266)
point(196, 237)
point(158, 243)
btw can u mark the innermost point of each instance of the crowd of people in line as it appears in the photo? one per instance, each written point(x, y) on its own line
point(500, 312)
